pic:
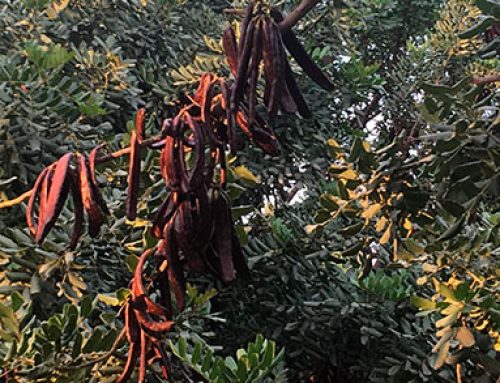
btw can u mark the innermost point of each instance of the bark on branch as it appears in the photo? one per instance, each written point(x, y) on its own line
point(486, 79)
point(293, 17)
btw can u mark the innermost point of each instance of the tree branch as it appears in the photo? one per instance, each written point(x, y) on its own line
point(485, 79)
point(293, 17)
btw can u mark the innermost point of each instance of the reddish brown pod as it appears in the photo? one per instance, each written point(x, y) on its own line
point(146, 323)
point(51, 190)
point(134, 170)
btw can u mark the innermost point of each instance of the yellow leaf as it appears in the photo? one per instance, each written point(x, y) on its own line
point(408, 226)
point(268, 210)
point(448, 320)
point(45, 39)
point(367, 147)
point(243, 173)
point(387, 235)
point(349, 175)
point(465, 337)
point(138, 222)
point(429, 268)
point(381, 223)
point(372, 211)
point(55, 8)
point(443, 353)
point(332, 143)
point(108, 299)
point(421, 281)
point(76, 281)
point(24, 23)
point(144, 2)
point(312, 229)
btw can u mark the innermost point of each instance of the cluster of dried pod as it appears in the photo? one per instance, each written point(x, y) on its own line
point(194, 223)
point(52, 188)
point(262, 40)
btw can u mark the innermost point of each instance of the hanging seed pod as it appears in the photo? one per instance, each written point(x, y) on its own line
point(30, 213)
point(74, 188)
point(134, 175)
point(89, 200)
point(56, 194)
point(300, 55)
point(230, 49)
point(95, 188)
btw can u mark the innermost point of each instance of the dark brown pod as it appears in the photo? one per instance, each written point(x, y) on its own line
point(93, 177)
point(230, 49)
point(196, 176)
point(277, 64)
point(222, 240)
point(300, 55)
point(164, 214)
point(240, 84)
point(168, 249)
point(244, 25)
point(267, 55)
point(88, 198)
point(74, 189)
point(167, 168)
point(239, 261)
point(295, 92)
point(134, 176)
point(254, 70)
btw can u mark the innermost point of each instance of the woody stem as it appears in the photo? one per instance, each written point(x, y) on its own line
point(293, 17)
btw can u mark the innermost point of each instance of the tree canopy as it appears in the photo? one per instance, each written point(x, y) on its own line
point(351, 173)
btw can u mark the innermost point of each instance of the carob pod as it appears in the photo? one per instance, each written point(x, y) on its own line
point(95, 187)
point(74, 188)
point(267, 56)
point(144, 306)
point(222, 239)
point(90, 204)
point(56, 196)
point(30, 208)
point(196, 175)
point(300, 55)
point(254, 69)
point(169, 251)
point(164, 214)
point(277, 65)
point(230, 49)
point(240, 84)
point(244, 25)
point(134, 175)
point(185, 232)
point(142, 359)
point(133, 355)
point(302, 106)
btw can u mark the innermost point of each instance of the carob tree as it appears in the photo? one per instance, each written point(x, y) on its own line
point(194, 224)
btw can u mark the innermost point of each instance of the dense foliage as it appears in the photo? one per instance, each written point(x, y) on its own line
point(372, 239)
